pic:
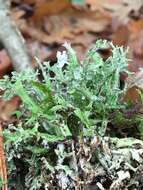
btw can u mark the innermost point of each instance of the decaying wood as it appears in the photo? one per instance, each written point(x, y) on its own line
point(3, 171)
point(12, 39)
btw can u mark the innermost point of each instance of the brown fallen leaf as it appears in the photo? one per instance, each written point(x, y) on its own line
point(8, 107)
point(74, 24)
point(123, 8)
point(100, 25)
point(121, 35)
point(16, 14)
point(65, 23)
point(85, 40)
point(5, 63)
point(132, 95)
point(35, 2)
point(34, 33)
point(136, 51)
point(135, 26)
point(134, 86)
point(63, 30)
point(50, 8)
point(95, 5)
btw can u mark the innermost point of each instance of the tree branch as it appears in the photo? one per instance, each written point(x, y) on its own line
point(12, 39)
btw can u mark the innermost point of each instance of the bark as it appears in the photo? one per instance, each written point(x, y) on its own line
point(12, 39)
point(3, 172)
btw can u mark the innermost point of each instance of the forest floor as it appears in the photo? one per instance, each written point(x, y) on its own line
point(46, 26)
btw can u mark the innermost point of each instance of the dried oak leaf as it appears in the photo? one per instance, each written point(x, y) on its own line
point(7, 108)
point(5, 63)
point(134, 86)
point(66, 26)
point(50, 8)
point(123, 8)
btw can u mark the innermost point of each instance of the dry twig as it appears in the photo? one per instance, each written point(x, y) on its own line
point(12, 39)
point(3, 171)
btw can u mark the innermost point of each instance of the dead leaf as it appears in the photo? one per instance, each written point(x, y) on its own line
point(136, 51)
point(132, 95)
point(16, 14)
point(5, 64)
point(8, 107)
point(50, 8)
point(135, 26)
point(121, 35)
point(122, 8)
point(134, 85)
point(36, 2)
point(99, 25)
point(95, 5)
